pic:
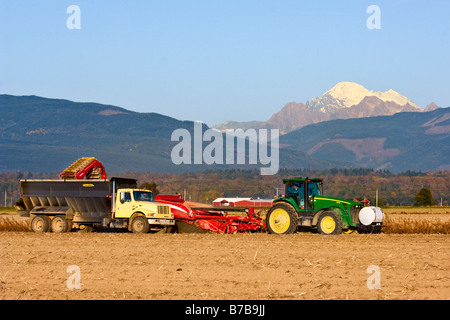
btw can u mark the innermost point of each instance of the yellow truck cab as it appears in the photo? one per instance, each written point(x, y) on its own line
point(138, 206)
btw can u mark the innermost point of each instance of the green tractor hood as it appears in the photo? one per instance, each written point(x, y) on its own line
point(336, 201)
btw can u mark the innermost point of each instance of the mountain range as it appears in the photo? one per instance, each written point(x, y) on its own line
point(417, 141)
point(346, 100)
point(343, 128)
point(46, 135)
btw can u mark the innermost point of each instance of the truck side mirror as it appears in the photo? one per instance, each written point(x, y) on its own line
point(122, 197)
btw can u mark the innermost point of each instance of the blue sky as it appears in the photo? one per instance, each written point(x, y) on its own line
point(216, 60)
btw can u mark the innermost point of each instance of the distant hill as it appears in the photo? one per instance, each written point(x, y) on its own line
point(404, 141)
point(46, 135)
point(295, 115)
point(240, 125)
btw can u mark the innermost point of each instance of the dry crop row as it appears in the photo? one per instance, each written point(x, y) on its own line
point(416, 225)
point(10, 224)
point(393, 225)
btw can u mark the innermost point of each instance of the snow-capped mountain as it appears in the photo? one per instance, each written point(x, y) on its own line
point(346, 94)
point(346, 100)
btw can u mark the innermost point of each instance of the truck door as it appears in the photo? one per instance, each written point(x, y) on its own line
point(124, 205)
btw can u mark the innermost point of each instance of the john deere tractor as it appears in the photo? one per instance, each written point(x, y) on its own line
point(304, 206)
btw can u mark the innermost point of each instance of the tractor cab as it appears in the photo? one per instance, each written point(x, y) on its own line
point(302, 192)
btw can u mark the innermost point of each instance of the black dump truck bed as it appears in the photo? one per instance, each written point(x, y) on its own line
point(86, 201)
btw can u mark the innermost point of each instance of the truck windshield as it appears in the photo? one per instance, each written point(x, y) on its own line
point(143, 196)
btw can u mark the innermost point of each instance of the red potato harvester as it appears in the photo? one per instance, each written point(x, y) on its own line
point(192, 218)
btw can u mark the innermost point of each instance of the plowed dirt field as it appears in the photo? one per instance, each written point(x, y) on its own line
point(214, 266)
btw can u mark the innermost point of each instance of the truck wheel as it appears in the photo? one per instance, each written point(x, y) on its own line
point(329, 223)
point(282, 219)
point(139, 224)
point(60, 224)
point(40, 224)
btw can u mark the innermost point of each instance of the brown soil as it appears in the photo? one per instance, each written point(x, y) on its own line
point(213, 266)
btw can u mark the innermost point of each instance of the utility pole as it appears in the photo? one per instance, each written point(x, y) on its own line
point(5, 198)
point(376, 198)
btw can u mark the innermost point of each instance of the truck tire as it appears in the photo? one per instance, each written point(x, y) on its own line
point(139, 224)
point(40, 224)
point(329, 223)
point(282, 219)
point(60, 224)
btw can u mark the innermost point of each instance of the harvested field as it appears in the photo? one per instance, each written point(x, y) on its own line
point(211, 266)
point(235, 266)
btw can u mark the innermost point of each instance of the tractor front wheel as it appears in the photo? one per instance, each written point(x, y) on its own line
point(329, 223)
point(282, 219)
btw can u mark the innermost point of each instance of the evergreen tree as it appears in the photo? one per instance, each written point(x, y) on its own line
point(424, 198)
point(152, 186)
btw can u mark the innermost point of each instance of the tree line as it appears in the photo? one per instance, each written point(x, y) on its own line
point(393, 189)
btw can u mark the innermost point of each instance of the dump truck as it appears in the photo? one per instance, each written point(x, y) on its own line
point(303, 205)
point(63, 205)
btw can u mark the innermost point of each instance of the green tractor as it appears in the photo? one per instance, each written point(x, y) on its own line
point(304, 206)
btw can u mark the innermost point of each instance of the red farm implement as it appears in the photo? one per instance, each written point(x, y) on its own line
point(192, 218)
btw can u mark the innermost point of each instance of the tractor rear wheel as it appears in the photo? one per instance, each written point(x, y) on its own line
point(329, 223)
point(282, 219)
